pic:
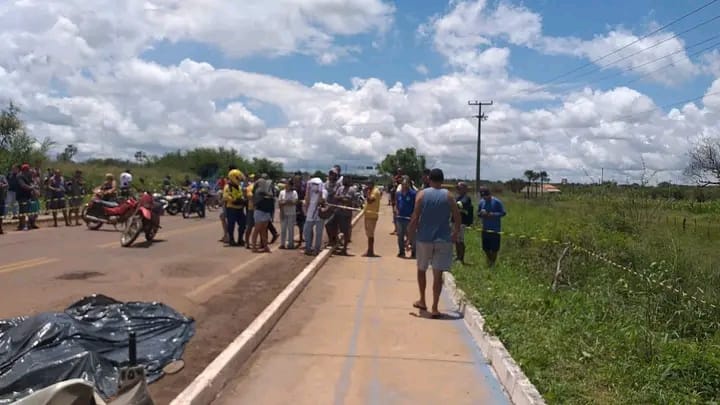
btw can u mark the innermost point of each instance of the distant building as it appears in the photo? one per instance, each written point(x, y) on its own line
point(564, 181)
point(535, 189)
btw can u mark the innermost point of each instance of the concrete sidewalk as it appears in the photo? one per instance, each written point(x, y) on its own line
point(352, 337)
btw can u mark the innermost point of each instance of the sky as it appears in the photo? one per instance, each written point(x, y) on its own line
point(579, 88)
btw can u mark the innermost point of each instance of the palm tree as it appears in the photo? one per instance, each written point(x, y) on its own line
point(543, 179)
point(536, 177)
point(530, 175)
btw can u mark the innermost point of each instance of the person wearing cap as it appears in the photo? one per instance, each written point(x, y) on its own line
point(235, 202)
point(315, 197)
point(490, 210)
point(465, 206)
point(430, 229)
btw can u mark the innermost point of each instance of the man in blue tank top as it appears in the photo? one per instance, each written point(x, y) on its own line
point(434, 239)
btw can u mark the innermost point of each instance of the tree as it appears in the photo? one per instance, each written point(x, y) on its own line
point(704, 165)
point(16, 145)
point(68, 153)
point(515, 185)
point(530, 176)
point(140, 157)
point(274, 170)
point(319, 174)
point(406, 159)
point(543, 179)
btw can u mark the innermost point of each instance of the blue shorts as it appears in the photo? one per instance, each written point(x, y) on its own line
point(262, 216)
point(490, 241)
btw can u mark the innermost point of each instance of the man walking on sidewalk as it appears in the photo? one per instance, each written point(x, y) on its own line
point(430, 228)
point(372, 214)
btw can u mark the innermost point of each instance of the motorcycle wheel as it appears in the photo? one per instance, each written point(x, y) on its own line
point(186, 210)
point(131, 232)
point(150, 233)
point(92, 225)
point(172, 209)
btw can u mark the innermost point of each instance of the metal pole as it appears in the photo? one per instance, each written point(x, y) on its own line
point(480, 118)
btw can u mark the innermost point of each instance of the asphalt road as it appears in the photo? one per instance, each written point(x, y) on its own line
point(223, 288)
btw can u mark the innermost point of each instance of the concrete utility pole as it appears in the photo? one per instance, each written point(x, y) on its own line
point(480, 117)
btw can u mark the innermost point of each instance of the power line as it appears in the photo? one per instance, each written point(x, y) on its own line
point(671, 64)
point(675, 103)
point(681, 50)
point(694, 27)
point(544, 85)
point(590, 63)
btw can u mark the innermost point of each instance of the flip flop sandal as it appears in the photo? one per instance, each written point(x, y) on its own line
point(420, 307)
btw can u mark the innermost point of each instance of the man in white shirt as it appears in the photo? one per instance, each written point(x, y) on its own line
point(287, 200)
point(125, 183)
point(315, 195)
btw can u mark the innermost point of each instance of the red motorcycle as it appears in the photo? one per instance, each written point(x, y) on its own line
point(144, 218)
point(98, 212)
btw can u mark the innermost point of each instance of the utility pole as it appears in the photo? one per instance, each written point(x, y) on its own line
point(480, 117)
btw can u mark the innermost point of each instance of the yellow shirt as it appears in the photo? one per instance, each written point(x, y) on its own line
point(372, 209)
point(231, 194)
point(249, 196)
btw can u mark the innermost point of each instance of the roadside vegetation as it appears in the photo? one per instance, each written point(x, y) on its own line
point(604, 334)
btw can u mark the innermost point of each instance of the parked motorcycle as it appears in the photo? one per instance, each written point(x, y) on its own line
point(176, 201)
point(98, 212)
point(194, 203)
point(145, 218)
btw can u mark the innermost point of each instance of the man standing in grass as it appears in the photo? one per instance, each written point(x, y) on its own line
point(465, 206)
point(490, 210)
point(430, 229)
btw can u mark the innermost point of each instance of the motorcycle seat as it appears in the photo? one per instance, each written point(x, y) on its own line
point(109, 204)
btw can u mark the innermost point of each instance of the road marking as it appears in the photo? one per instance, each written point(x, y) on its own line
point(7, 268)
point(161, 234)
point(203, 287)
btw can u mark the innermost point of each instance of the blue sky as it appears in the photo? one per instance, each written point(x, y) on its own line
point(206, 73)
point(398, 52)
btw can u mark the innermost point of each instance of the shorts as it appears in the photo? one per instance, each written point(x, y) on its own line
point(370, 224)
point(262, 216)
point(24, 206)
point(490, 241)
point(344, 223)
point(439, 255)
point(250, 219)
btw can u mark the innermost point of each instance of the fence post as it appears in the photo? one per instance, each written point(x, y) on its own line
point(684, 221)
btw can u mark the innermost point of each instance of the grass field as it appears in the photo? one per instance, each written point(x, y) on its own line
point(607, 335)
point(94, 174)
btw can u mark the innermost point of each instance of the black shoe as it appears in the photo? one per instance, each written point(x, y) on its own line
point(274, 239)
point(402, 255)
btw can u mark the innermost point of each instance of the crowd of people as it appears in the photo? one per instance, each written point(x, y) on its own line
point(25, 193)
point(312, 205)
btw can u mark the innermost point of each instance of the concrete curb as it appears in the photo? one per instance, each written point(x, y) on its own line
point(518, 387)
point(206, 386)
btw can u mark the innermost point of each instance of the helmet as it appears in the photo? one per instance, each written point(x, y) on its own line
point(235, 176)
point(109, 176)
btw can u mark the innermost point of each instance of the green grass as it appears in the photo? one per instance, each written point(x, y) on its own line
point(606, 336)
point(95, 173)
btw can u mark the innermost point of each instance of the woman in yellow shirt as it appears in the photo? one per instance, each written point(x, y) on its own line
point(235, 203)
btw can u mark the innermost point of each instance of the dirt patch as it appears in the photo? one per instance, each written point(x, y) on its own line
point(226, 315)
point(80, 275)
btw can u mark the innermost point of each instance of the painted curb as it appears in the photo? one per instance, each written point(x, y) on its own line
point(210, 382)
point(517, 386)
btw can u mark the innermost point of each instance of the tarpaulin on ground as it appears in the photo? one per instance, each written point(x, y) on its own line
point(88, 340)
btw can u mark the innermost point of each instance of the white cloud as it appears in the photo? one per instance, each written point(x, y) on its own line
point(76, 69)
